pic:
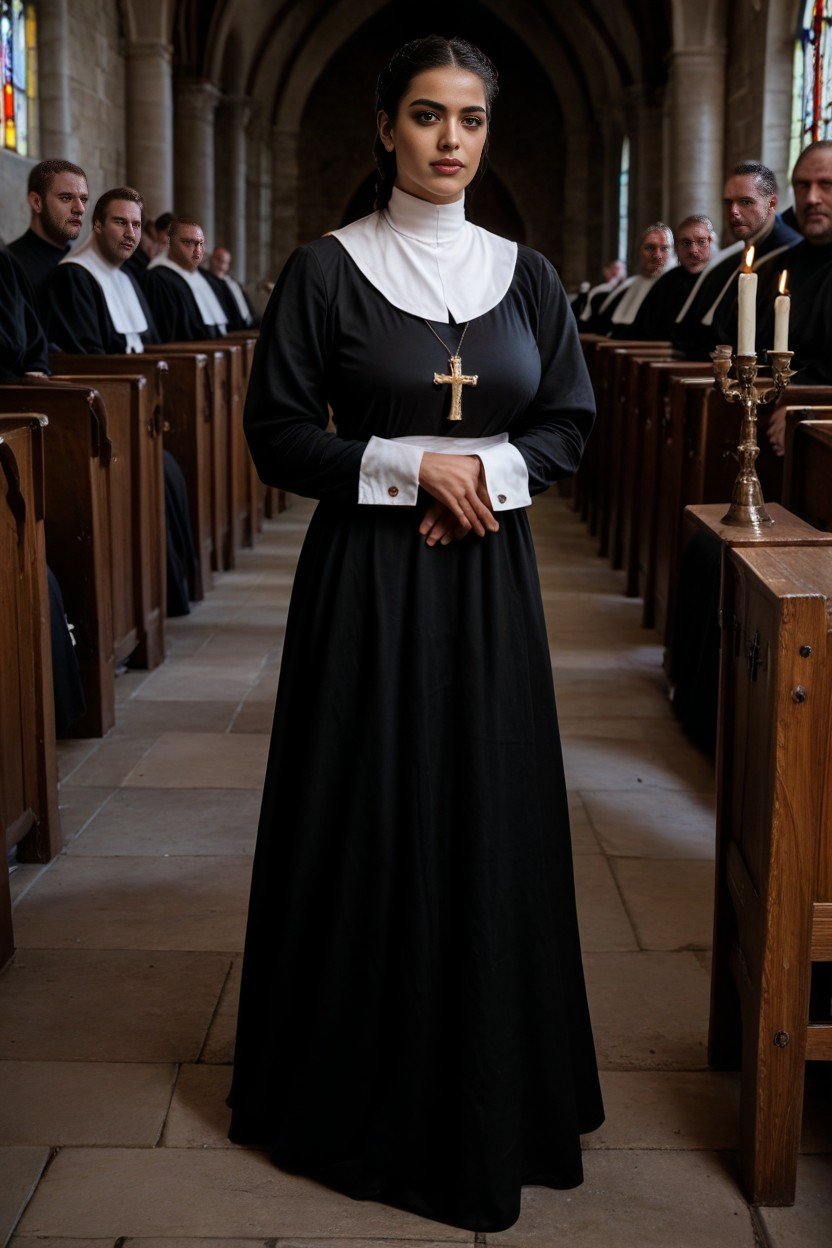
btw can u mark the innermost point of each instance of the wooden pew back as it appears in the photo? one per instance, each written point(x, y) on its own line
point(807, 474)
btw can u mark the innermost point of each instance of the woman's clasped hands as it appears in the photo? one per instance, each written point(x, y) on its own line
point(462, 505)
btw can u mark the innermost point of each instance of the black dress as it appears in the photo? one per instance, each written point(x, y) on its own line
point(413, 1023)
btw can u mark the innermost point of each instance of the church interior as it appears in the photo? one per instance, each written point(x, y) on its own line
point(688, 608)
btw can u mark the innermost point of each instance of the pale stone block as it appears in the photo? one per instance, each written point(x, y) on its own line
point(198, 680)
point(198, 1115)
point(182, 760)
point(59, 1103)
point(670, 901)
point(172, 822)
point(71, 755)
point(112, 760)
point(219, 1043)
point(20, 1169)
point(600, 764)
point(638, 1200)
point(602, 918)
point(808, 1223)
point(78, 805)
point(21, 879)
point(137, 903)
point(649, 1010)
point(114, 1006)
point(171, 1193)
point(653, 823)
point(144, 716)
point(668, 1109)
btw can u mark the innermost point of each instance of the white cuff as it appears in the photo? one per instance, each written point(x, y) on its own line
point(389, 473)
point(506, 477)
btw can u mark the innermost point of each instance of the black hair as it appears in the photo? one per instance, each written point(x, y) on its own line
point(432, 52)
point(128, 193)
point(764, 177)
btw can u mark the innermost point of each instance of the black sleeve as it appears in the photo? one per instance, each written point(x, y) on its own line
point(22, 340)
point(165, 308)
point(75, 311)
point(552, 434)
point(286, 411)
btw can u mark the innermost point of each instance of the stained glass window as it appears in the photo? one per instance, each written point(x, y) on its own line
point(812, 82)
point(624, 201)
point(18, 75)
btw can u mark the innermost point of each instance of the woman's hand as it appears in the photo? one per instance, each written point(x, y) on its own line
point(462, 502)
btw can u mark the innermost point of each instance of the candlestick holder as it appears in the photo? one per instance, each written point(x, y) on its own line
point(747, 506)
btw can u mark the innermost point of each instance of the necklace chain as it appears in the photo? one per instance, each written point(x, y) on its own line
point(444, 344)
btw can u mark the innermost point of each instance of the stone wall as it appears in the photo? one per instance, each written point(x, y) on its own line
point(94, 63)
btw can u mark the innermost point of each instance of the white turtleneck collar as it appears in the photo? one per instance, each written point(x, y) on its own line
point(120, 296)
point(427, 259)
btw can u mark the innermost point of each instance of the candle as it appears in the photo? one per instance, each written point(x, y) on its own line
point(782, 306)
point(746, 344)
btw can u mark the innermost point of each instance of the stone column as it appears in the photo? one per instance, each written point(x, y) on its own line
point(196, 103)
point(696, 128)
point(150, 123)
point(285, 225)
point(646, 160)
point(232, 119)
point(56, 141)
point(258, 197)
point(576, 208)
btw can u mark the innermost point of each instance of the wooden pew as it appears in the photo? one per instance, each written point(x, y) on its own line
point(642, 453)
point(77, 461)
point(137, 515)
point(773, 913)
point(183, 397)
point(28, 763)
point(807, 472)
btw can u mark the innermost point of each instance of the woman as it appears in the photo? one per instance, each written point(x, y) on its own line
point(413, 1023)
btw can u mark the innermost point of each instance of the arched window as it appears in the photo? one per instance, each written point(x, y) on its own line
point(812, 83)
point(624, 202)
point(18, 75)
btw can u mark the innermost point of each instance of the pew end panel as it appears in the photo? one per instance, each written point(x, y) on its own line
point(77, 457)
point(807, 472)
point(29, 817)
point(773, 899)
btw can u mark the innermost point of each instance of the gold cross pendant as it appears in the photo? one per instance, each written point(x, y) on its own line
point(456, 379)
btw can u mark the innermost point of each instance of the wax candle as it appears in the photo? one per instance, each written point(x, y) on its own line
point(782, 307)
point(746, 343)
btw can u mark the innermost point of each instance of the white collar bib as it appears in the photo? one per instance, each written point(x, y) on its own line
point(119, 293)
point(210, 308)
point(428, 260)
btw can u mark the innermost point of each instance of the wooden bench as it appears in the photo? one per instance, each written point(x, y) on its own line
point(77, 461)
point(773, 913)
point(807, 473)
point(183, 399)
point(137, 515)
point(28, 763)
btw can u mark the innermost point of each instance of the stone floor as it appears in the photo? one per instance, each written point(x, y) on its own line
point(117, 1013)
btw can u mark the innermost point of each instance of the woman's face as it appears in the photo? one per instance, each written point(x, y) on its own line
point(438, 133)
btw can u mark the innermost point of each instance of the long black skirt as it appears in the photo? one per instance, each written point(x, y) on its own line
point(413, 1023)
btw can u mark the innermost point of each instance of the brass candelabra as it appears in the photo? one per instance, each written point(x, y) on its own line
point(747, 506)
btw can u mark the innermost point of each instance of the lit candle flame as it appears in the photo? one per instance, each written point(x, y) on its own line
point(748, 263)
point(783, 284)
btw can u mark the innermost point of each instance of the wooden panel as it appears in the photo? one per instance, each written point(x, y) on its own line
point(822, 926)
point(774, 743)
point(807, 484)
point(77, 526)
point(819, 1043)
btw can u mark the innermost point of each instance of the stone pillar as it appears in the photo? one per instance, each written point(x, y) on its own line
point(285, 225)
point(57, 141)
point(258, 198)
point(232, 121)
point(696, 128)
point(150, 123)
point(646, 161)
point(576, 208)
point(196, 104)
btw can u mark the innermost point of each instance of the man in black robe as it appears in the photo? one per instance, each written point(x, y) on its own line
point(694, 239)
point(750, 207)
point(184, 305)
point(234, 300)
point(23, 348)
point(146, 251)
point(95, 308)
point(614, 273)
point(92, 305)
point(654, 257)
point(58, 195)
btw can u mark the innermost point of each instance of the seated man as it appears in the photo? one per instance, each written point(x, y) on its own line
point(619, 310)
point(92, 306)
point(22, 340)
point(614, 273)
point(229, 292)
point(657, 314)
point(58, 195)
point(184, 305)
point(146, 251)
